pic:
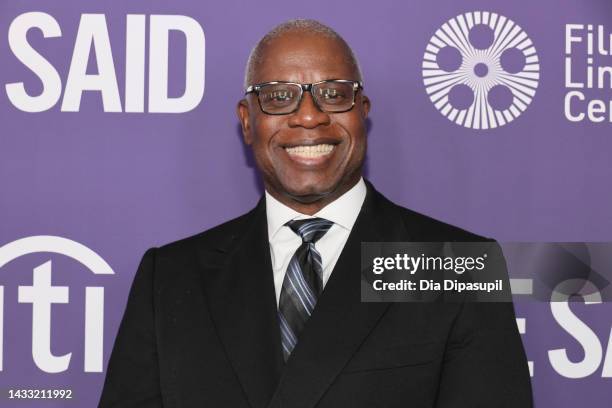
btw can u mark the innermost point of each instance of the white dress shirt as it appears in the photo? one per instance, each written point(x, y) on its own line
point(284, 242)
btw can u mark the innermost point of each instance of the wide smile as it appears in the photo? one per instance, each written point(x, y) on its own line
point(310, 151)
point(311, 155)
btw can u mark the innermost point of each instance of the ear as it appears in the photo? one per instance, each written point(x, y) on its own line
point(365, 105)
point(242, 110)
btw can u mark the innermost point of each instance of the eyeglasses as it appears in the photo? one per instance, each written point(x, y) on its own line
point(283, 98)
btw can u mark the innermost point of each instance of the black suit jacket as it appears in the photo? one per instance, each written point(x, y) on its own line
point(200, 330)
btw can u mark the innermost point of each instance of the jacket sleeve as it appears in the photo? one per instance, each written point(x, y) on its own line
point(132, 378)
point(484, 362)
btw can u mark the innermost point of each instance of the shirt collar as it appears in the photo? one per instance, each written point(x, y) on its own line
point(343, 211)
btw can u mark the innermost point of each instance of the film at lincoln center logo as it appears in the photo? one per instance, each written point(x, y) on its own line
point(481, 70)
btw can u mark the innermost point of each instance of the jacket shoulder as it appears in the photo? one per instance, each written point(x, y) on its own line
point(218, 237)
point(425, 228)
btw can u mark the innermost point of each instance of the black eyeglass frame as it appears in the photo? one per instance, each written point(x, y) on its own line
point(255, 88)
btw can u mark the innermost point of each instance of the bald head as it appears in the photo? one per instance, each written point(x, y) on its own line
point(303, 28)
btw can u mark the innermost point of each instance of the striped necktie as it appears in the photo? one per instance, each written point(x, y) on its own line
point(303, 282)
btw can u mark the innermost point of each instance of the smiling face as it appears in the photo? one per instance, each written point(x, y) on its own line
point(307, 158)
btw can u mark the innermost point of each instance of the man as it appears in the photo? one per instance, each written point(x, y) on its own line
point(265, 310)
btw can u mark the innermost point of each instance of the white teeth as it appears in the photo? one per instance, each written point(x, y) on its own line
point(310, 151)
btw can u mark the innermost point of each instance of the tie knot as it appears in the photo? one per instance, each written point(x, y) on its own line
point(310, 229)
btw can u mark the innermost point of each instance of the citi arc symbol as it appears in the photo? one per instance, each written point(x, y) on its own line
point(42, 294)
point(481, 70)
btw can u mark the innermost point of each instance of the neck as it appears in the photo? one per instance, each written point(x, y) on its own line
point(310, 204)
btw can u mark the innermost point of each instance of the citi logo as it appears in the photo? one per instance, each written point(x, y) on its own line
point(42, 294)
point(481, 70)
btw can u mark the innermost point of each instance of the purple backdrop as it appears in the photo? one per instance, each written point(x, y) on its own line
point(120, 182)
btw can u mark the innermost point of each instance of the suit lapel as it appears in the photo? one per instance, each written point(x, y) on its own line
point(339, 323)
point(243, 306)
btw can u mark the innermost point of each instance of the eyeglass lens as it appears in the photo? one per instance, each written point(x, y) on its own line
point(329, 96)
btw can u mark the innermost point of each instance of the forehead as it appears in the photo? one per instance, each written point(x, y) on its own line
point(303, 58)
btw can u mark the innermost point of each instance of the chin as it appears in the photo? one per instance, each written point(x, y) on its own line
point(308, 193)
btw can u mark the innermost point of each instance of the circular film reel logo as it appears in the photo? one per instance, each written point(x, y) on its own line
point(481, 70)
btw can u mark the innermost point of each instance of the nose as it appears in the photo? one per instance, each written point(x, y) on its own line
point(308, 115)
